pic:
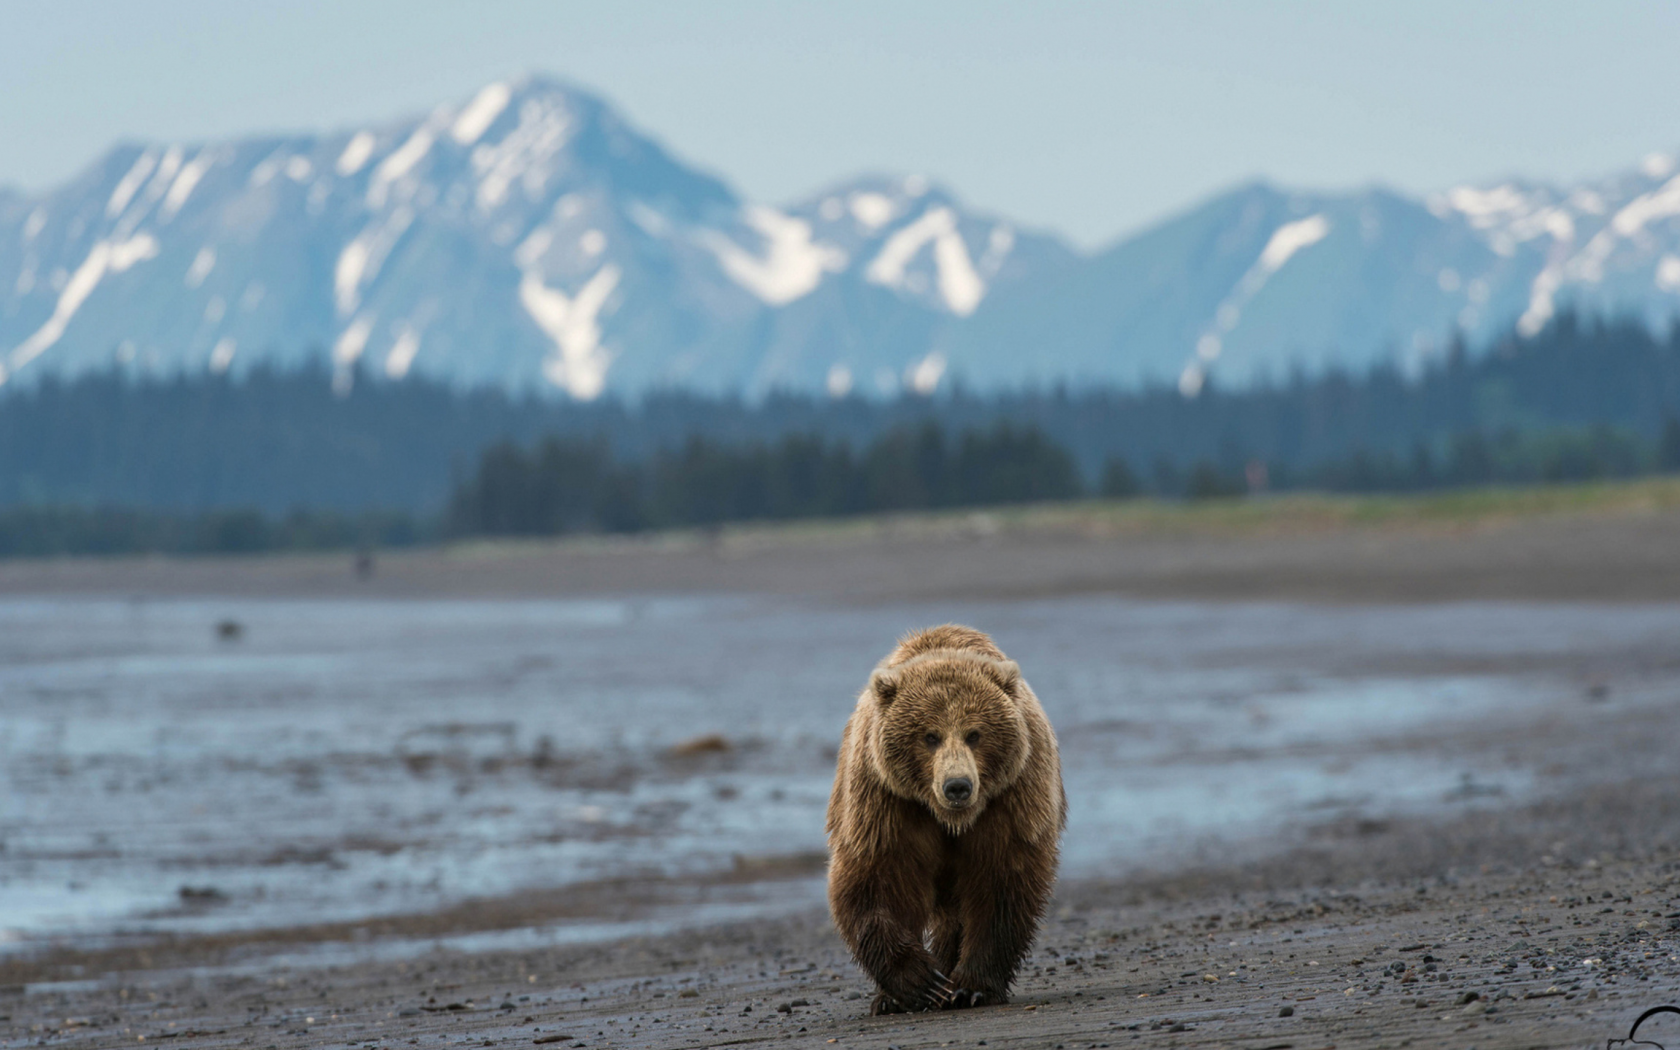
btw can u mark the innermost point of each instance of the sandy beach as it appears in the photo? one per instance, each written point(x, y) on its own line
point(1544, 913)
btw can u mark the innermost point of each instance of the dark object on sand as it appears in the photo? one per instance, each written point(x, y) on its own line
point(364, 565)
point(230, 630)
point(710, 744)
point(201, 895)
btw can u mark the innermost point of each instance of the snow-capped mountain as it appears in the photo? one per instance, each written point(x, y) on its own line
point(1261, 280)
point(526, 237)
point(529, 237)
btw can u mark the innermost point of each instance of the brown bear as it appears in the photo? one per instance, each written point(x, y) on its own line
point(945, 823)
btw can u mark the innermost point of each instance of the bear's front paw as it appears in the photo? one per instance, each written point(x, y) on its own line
point(964, 999)
point(885, 1004)
point(967, 997)
point(961, 999)
point(940, 994)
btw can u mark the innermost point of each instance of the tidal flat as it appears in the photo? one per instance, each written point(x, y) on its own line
point(422, 809)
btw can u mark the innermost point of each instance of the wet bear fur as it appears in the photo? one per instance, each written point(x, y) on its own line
point(939, 901)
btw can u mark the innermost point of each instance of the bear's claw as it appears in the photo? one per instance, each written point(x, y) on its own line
point(941, 995)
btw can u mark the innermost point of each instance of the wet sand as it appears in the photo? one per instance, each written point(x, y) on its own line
point(1551, 923)
point(1471, 933)
point(1621, 549)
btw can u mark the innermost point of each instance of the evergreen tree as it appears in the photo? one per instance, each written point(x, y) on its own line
point(1118, 481)
point(1472, 459)
point(1166, 477)
point(1668, 449)
point(1207, 482)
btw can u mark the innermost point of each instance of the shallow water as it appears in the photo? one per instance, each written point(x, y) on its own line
point(346, 759)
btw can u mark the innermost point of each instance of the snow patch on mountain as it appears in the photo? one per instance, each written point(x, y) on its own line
point(360, 260)
point(959, 285)
point(838, 382)
point(352, 341)
point(357, 152)
point(202, 264)
point(221, 355)
point(403, 352)
point(579, 365)
point(475, 119)
point(130, 184)
point(1284, 243)
point(793, 264)
point(1290, 238)
point(33, 225)
point(347, 274)
point(398, 164)
point(105, 257)
point(525, 155)
point(1638, 213)
point(185, 181)
point(1542, 301)
point(873, 210)
point(923, 376)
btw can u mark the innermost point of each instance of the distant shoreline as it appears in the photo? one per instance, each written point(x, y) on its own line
point(1599, 542)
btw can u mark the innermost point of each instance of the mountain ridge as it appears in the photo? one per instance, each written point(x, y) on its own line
point(529, 237)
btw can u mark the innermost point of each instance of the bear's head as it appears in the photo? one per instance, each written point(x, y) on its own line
point(949, 732)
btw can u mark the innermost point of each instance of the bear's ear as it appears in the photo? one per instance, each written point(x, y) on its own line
point(1006, 673)
point(885, 684)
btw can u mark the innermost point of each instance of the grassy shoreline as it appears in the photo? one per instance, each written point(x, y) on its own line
point(1266, 515)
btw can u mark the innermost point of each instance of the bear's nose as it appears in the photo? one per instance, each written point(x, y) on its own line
point(958, 789)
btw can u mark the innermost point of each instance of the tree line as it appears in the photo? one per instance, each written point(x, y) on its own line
point(275, 441)
point(114, 463)
point(568, 485)
point(577, 485)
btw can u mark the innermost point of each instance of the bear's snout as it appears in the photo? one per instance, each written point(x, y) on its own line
point(958, 791)
point(955, 783)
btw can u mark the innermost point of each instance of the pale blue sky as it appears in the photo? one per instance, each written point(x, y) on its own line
point(1090, 119)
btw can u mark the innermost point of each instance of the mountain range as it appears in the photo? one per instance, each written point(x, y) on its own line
point(530, 238)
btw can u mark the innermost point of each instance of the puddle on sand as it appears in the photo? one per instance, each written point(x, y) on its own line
point(343, 760)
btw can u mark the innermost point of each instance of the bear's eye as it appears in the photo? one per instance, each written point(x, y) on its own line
point(932, 739)
point(973, 737)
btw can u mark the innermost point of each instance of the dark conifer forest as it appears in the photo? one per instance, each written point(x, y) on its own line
point(112, 463)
